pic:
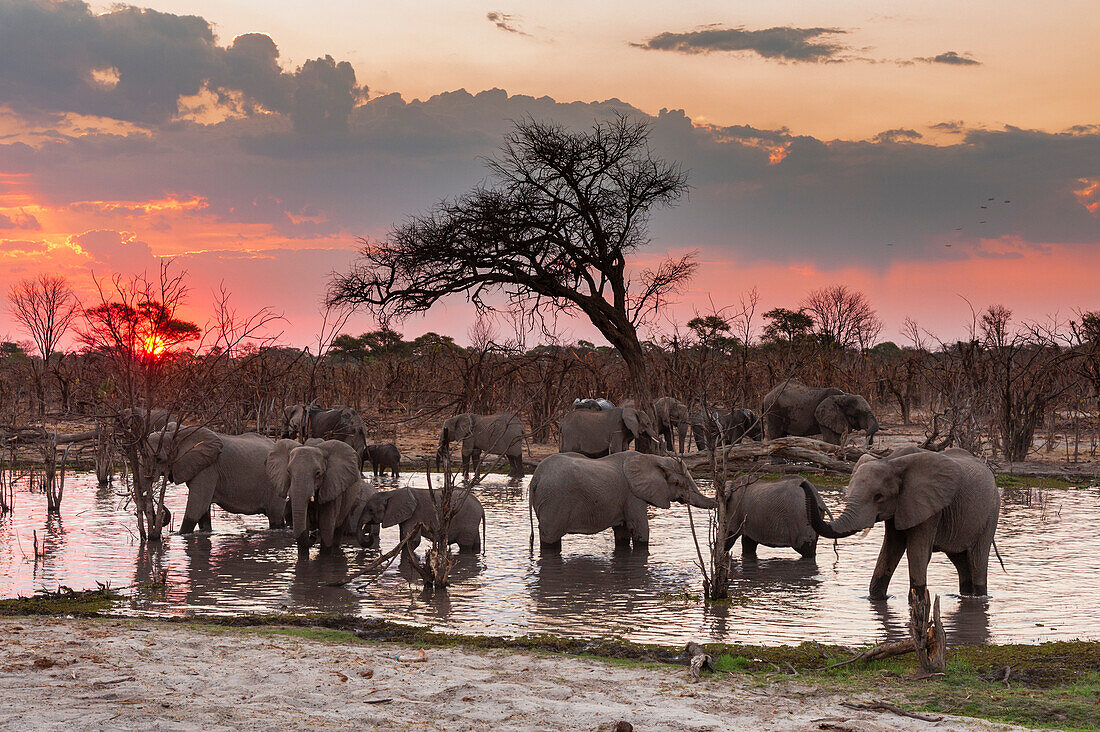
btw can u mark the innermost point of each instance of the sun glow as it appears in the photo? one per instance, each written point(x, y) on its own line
point(153, 345)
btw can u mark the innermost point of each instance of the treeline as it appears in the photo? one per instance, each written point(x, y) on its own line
point(992, 393)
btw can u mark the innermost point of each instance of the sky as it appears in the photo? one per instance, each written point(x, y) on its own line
point(936, 156)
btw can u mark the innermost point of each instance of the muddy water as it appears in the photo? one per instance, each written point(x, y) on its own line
point(1049, 540)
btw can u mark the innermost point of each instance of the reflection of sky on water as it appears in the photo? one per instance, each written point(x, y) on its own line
point(1050, 591)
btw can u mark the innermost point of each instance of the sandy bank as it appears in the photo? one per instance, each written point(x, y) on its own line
point(121, 674)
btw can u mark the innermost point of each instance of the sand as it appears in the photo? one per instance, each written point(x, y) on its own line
point(73, 674)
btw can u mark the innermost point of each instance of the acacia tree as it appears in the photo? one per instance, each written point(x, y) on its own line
point(843, 317)
point(45, 307)
point(552, 230)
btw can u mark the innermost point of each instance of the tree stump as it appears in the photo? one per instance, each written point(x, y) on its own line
point(929, 639)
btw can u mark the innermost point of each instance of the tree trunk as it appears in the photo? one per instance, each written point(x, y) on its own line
point(928, 636)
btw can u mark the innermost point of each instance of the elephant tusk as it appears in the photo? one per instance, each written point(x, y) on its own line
point(866, 532)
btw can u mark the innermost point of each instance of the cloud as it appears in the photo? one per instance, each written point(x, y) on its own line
point(136, 64)
point(951, 58)
point(784, 43)
point(22, 246)
point(953, 127)
point(898, 135)
point(122, 251)
point(505, 22)
point(20, 220)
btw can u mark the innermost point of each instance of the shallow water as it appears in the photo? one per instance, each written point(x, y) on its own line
point(1049, 542)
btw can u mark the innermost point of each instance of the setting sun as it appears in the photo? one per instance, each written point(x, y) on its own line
point(153, 345)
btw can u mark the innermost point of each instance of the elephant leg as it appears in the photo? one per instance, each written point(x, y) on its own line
point(200, 494)
point(748, 547)
point(517, 466)
point(395, 470)
point(961, 560)
point(978, 561)
point(918, 551)
point(414, 542)
point(731, 539)
point(622, 537)
point(667, 434)
point(809, 549)
point(330, 532)
point(550, 547)
point(893, 546)
point(637, 523)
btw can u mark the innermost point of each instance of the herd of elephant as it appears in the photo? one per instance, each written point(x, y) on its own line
point(929, 501)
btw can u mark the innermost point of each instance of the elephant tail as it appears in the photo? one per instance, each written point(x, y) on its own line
point(484, 536)
point(998, 553)
point(531, 514)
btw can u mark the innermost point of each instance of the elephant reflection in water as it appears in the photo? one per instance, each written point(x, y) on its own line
point(605, 588)
point(966, 624)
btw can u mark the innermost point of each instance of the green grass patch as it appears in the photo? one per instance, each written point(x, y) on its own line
point(1005, 480)
point(62, 602)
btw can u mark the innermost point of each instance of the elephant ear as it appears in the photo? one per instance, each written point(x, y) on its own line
point(464, 426)
point(830, 414)
point(647, 479)
point(630, 419)
point(341, 470)
point(399, 507)
point(928, 484)
point(196, 450)
point(276, 465)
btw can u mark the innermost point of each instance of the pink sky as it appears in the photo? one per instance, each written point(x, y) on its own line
point(922, 158)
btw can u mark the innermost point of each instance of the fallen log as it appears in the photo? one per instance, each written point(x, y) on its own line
point(800, 449)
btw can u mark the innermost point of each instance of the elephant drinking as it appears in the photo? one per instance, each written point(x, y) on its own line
point(574, 494)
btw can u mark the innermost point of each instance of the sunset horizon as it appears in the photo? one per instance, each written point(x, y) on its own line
point(258, 161)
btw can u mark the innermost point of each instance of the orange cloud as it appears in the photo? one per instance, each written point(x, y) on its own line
point(1088, 195)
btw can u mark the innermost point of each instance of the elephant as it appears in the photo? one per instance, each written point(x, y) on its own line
point(497, 434)
point(357, 524)
point(609, 431)
point(772, 513)
point(385, 456)
point(574, 494)
point(305, 421)
point(732, 426)
point(408, 507)
point(594, 404)
point(671, 413)
point(226, 470)
point(324, 473)
point(792, 408)
point(930, 501)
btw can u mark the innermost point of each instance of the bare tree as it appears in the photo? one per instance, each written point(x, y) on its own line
point(44, 307)
point(843, 317)
point(552, 230)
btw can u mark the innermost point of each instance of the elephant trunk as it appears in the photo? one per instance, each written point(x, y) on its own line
point(872, 428)
point(300, 521)
point(830, 530)
point(695, 498)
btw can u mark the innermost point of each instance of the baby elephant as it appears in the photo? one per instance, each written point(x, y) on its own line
point(772, 513)
point(385, 456)
point(408, 507)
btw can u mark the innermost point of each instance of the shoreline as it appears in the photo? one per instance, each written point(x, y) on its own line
point(94, 672)
point(1054, 684)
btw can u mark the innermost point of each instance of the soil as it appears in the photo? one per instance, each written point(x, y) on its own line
point(122, 674)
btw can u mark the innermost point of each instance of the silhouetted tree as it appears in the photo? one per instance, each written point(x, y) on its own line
point(44, 307)
point(552, 230)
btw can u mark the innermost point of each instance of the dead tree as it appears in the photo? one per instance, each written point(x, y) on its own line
point(552, 230)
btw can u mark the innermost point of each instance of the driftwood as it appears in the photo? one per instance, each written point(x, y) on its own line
point(929, 639)
point(800, 449)
point(926, 638)
point(879, 706)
